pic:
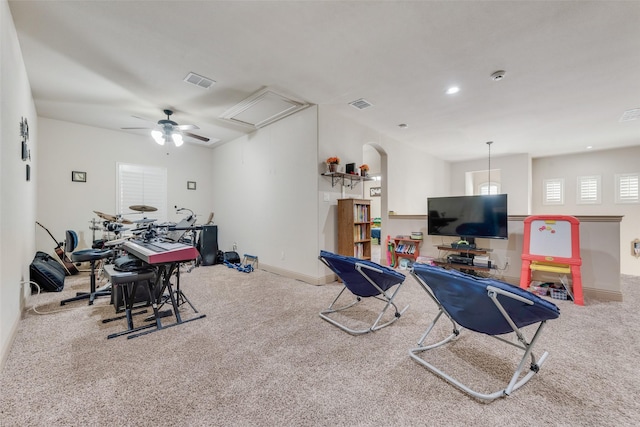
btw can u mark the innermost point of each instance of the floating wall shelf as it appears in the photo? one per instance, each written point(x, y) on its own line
point(348, 179)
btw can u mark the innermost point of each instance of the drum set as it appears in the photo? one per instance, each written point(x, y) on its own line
point(113, 227)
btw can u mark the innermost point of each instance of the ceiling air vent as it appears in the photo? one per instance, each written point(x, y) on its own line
point(630, 115)
point(262, 108)
point(198, 80)
point(360, 104)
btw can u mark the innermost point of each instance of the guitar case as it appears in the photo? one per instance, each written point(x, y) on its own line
point(47, 272)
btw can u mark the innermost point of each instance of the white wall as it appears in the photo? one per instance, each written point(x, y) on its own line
point(337, 136)
point(63, 204)
point(606, 164)
point(17, 196)
point(515, 175)
point(265, 195)
point(409, 175)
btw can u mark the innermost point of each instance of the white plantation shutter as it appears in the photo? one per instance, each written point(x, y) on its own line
point(488, 188)
point(627, 188)
point(141, 185)
point(553, 191)
point(588, 189)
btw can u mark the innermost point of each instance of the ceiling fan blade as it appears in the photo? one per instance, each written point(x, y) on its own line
point(193, 135)
point(187, 127)
point(137, 128)
point(145, 119)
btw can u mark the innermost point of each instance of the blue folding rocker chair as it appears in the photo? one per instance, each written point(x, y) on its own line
point(363, 279)
point(489, 307)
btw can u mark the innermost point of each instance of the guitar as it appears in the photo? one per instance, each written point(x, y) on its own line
point(68, 265)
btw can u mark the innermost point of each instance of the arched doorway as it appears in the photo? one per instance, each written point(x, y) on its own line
point(376, 191)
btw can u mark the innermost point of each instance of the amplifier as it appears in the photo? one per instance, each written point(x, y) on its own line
point(458, 259)
point(482, 261)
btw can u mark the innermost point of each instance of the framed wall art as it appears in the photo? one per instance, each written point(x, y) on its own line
point(24, 135)
point(77, 176)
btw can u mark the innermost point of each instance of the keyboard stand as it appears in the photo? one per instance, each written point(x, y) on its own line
point(163, 276)
point(181, 298)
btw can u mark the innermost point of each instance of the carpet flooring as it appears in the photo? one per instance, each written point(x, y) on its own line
point(263, 357)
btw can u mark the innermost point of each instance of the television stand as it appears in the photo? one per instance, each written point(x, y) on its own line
point(468, 253)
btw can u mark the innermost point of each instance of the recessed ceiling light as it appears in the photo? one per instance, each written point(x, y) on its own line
point(589, 147)
point(452, 90)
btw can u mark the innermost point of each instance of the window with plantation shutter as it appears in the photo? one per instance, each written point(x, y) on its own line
point(588, 190)
point(553, 191)
point(141, 185)
point(627, 188)
point(488, 188)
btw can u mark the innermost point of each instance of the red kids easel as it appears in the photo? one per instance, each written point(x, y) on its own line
point(552, 244)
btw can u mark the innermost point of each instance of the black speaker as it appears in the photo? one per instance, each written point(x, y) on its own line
point(208, 244)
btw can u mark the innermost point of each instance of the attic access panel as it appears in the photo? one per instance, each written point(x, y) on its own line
point(262, 108)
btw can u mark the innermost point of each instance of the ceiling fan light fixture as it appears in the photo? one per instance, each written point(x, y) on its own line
point(157, 136)
point(177, 139)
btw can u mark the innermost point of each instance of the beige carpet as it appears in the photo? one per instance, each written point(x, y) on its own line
point(263, 357)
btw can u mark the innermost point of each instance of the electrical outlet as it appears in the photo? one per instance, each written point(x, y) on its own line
point(507, 260)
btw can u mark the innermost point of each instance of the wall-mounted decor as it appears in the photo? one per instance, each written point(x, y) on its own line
point(77, 176)
point(28, 169)
point(191, 185)
point(24, 135)
point(375, 191)
point(635, 248)
point(350, 168)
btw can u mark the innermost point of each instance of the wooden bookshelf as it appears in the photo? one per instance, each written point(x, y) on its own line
point(354, 228)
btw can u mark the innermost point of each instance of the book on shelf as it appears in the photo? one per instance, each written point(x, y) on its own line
point(361, 213)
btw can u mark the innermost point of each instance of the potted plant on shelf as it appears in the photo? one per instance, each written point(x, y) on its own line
point(332, 163)
point(364, 169)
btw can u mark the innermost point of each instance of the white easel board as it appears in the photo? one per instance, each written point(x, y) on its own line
point(550, 238)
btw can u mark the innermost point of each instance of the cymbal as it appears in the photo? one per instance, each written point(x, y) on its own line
point(112, 218)
point(144, 220)
point(143, 208)
point(108, 217)
point(117, 242)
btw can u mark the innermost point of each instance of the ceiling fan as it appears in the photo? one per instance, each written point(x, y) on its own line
point(168, 130)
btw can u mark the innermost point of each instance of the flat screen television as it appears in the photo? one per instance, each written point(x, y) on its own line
point(468, 217)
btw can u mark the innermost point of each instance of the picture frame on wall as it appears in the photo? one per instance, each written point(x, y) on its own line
point(375, 191)
point(78, 176)
point(191, 185)
point(24, 135)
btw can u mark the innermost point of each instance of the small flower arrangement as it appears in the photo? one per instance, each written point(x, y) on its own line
point(333, 161)
point(364, 167)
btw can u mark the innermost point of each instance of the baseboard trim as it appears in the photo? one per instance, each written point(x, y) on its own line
point(588, 293)
point(316, 281)
point(601, 295)
point(6, 348)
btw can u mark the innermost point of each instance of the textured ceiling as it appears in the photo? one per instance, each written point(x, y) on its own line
point(572, 67)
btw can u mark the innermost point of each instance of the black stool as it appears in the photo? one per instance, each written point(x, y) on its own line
point(91, 255)
point(128, 282)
